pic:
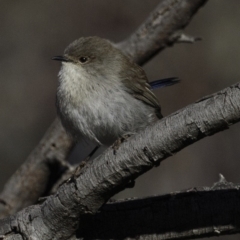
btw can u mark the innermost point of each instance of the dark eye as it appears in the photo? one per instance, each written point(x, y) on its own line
point(83, 59)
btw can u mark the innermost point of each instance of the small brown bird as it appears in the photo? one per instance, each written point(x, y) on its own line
point(102, 93)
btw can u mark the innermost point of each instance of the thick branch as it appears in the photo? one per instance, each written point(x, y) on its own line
point(100, 179)
point(32, 179)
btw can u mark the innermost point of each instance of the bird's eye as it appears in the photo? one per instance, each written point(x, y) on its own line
point(83, 59)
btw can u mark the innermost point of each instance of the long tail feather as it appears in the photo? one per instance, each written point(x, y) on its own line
point(164, 82)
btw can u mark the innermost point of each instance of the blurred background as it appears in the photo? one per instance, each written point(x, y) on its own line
point(31, 32)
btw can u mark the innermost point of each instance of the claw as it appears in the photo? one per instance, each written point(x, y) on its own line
point(119, 141)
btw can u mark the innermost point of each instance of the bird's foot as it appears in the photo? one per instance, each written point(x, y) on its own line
point(119, 141)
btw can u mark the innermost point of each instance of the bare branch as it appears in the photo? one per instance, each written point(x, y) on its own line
point(106, 175)
point(32, 179)
point(183, 38)
point(158, 31)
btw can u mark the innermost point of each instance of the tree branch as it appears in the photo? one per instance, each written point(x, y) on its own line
point(162, 29)
point(32, 179)
point(90, 187)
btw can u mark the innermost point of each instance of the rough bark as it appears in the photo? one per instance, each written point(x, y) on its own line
point(31, 181)
point(162, 29)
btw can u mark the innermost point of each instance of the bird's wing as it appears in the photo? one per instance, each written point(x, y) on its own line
point(136, 83)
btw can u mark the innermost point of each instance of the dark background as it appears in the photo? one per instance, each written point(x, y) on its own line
point(31, 32)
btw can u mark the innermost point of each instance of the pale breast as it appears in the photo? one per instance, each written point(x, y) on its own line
point(103, 111)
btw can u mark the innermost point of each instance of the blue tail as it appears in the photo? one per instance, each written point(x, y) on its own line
point(164, 82)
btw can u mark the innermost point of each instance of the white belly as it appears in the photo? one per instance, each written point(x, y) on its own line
point(101, 112)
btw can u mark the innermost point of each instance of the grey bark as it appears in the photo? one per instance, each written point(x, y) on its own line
point(92, 186)
point(33, 178)
point(162, 29)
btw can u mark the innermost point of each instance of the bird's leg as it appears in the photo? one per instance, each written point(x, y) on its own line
point(91, 153)
point(119, 141)
point(75, 173)
point(83, 162)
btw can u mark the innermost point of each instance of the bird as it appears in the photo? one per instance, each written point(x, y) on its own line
point(103, 94)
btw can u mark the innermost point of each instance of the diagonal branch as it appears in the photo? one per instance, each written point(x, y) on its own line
point(162, 29)
point(32, 179)
point(86, 191)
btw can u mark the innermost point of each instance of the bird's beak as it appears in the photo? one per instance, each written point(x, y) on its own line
point(61, 58)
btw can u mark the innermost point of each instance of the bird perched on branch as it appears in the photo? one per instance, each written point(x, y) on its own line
point(102, 94)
